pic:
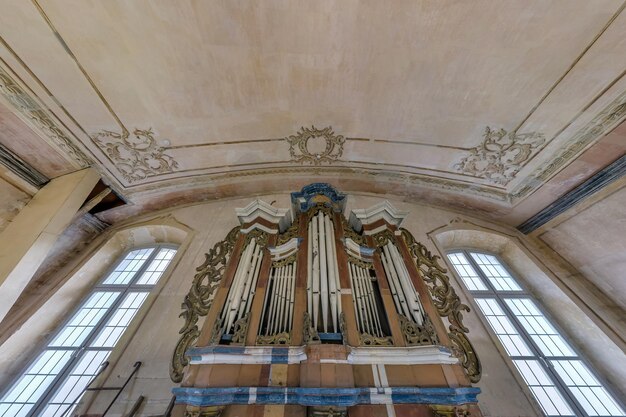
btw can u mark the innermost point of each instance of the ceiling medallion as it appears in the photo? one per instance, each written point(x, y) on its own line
point(138, 156)
point(315, 146)
point(500, 156)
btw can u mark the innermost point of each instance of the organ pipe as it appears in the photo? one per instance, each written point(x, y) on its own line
point(323, 287)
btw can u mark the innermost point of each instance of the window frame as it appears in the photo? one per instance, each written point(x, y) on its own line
point(524, 293)
point(78, 352)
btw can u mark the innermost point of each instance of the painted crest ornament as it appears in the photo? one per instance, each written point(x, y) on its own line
point(314, 146)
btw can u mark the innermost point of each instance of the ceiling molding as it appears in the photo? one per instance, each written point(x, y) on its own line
point(21, 168)
point(39, 118)
point(611, 173)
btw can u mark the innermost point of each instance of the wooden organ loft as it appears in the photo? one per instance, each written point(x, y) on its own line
point(308, 313)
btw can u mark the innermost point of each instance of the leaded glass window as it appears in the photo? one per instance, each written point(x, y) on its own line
point(559, 379)
point(53, 383)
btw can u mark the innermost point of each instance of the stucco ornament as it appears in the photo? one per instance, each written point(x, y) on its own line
point(314, 146)
point(136, 156)
point(40, 118)
point(501, 155)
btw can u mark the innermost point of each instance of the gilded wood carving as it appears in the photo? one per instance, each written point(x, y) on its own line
point(447, 302)
point(199, 298)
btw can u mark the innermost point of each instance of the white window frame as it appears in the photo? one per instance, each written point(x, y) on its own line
point(545, 360)
point(78, 352)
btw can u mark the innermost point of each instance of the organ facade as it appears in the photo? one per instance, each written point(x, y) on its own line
point(309, 311)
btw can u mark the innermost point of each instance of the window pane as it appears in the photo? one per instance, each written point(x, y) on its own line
point(125, 270)
point(85, 320)
point(157, 267)
point(593, 397)
point(503, 328)
point(115, 326)
point(78, 379)
point(467, 273)
point(35, 381)
point(495, 272)
point(543, 388)
point(539, 328)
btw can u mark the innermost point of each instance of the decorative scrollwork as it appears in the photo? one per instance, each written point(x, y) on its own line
point(418, 335)
point(463, 349)
point(348, 232)
point(501, 154)
point(360, 263)
point(299, 145)
point(382, 238)
point(367, 339)
point(277, 339)
point(310, 336)
point(323, 411)
point(40, 118)
point(199, 298)
point(283, 262)
point(260, 236)
point(211, 411)
point(342, 327)
point(289, 234)
point(138, 156)
point(240, 329)
point(447, 302)
point(450, 411)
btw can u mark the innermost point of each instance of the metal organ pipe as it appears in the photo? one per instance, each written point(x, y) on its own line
point(404, 294)
point(239, 299)
point(323, 289)
point(364, 301)
point(278, 304)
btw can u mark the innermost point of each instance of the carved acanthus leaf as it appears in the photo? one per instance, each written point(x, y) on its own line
point(501, 155)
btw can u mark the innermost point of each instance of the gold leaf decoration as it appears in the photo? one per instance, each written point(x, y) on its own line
point(447, 302)
point(198, 300)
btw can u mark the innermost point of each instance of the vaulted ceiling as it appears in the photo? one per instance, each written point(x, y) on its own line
point(499, 107)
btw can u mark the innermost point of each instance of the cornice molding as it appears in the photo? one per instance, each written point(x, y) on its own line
point(22, 169)
point(612, 172)
point(383, 210)
point(39, 118)
point(259, 208)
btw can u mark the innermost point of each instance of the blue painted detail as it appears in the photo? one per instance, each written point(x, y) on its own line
point(331, 336)
point(612, 172)
point(234, 350)
point(342, 397)
point(280, 355)
point(366, 252)
point(302, 200)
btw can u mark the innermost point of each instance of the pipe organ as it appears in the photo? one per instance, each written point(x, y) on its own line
point(309, 313)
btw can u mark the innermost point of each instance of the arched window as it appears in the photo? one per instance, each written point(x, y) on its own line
point(73, 356)
point(558, 377)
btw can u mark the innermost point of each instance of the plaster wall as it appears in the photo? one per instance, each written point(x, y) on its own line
point(592, 238)
point(12, 201)
point(154, 333)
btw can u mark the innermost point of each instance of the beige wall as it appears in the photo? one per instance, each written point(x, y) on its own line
point(154, 335)
point(11, 202)
point(592, 237)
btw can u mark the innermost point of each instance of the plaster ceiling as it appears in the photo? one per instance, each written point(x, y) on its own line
point(474, 104)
